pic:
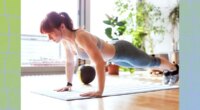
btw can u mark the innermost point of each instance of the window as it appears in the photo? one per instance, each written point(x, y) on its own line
point(36, 49)
point(98, 10)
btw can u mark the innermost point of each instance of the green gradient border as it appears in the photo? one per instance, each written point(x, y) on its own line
point(10, 55)
point(190, 55)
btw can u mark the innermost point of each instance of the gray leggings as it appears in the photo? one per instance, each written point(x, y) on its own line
point(128, 55)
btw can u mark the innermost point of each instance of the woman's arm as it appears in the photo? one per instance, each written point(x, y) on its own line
point(69, 67)
point(85, 41)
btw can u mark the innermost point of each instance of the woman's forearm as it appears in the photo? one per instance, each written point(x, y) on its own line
point(100, 70)
point(69, 70)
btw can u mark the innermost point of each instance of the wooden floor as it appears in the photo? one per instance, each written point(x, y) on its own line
point(159, 100)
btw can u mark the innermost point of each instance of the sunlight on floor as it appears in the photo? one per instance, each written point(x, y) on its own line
point(57, 81)
point(33, 101)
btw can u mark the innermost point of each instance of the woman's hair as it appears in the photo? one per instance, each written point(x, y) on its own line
point(54, 20)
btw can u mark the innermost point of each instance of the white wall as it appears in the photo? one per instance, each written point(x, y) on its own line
point(98, 10)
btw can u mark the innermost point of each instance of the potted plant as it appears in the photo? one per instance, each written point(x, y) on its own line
point(115, 29)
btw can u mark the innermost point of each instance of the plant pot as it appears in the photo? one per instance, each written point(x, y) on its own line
point(113, 69)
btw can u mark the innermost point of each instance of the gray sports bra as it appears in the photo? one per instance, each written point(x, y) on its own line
point(82, 54)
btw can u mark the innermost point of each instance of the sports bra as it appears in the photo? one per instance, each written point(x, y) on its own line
point(82, 54)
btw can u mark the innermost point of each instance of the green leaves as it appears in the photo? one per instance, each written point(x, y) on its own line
point(121, 30)
point(121, 23)
point(107, 22)
point(108, 32)
point(116, 28)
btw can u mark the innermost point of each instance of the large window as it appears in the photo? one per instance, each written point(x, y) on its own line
point(99, 8)
point(36, 49)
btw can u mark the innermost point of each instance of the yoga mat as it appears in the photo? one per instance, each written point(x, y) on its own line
point(114, 90)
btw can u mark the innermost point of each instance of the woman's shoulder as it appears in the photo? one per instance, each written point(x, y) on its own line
point(84, 37)
point(80, 31)
point(82, 34)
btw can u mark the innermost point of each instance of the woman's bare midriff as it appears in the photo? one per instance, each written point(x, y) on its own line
point(108, 51)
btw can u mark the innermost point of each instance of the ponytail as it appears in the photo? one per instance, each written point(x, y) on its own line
point(67, 20)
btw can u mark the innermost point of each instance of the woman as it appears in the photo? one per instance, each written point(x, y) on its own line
point(59, 27)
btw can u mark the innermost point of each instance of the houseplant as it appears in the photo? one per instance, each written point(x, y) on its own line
point(142, 19)
point(139, 19)
point(115, 27)
point(114, 30)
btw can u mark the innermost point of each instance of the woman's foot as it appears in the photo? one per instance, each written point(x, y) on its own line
point(166, 77)
point(174, 76)
point(171, 78)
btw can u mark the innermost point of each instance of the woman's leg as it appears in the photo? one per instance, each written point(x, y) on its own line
point(170, 71)
point(123, 64)
point(126, 52)
point(165, 65)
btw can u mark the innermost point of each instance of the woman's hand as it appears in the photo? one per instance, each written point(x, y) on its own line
point(66, 88)
point(92, 94)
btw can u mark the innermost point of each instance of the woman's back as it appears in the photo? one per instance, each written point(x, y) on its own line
point(107, 50)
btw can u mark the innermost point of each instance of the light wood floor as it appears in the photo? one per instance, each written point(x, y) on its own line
point(159, 100)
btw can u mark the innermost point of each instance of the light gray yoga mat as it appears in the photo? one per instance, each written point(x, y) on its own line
point(109, 91)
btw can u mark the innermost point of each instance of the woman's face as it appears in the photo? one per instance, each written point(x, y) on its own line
point(55, 35)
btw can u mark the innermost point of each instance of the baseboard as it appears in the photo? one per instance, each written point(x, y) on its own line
point(42, 70)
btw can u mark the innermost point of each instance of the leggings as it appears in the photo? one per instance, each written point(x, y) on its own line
point(128, 55)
